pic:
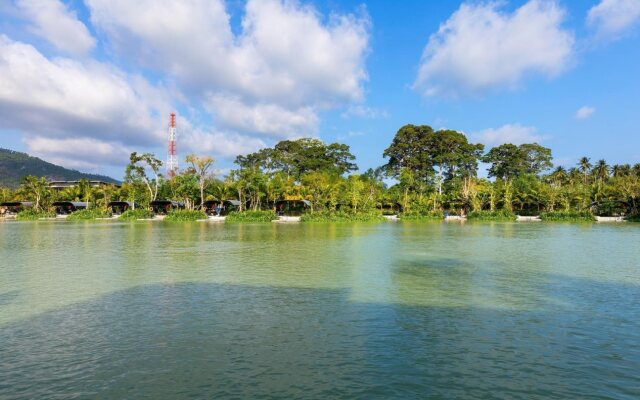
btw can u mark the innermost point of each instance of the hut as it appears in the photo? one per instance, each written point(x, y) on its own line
point(14, 207)
point(163, 207)
point(67, 207)
point(292, 208)
point(220, 208)
point(118, 207)
point(390, 208)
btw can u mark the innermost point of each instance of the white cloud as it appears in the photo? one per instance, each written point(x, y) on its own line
point(53, 21)
point(584, 112)
point(481, 47)
point(362, 111)
point(62, 98)
point(612, 18)
point(510, 133)
point(268, 82)
point(78, 152)
point(268, 119)
point(285, 55)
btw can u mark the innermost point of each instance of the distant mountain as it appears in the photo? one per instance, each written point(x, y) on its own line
point(15, 165)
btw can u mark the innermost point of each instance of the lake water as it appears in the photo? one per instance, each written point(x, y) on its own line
point(392, 310)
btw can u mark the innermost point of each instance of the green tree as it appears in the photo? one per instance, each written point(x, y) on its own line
point(36, 189)
point(137, 172)
point(200, 166)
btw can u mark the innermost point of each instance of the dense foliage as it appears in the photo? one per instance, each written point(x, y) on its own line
point(251, 216)
point(94, 213)
point(427, 173)
point(32, 215)
point(185, 215)
point(571, 216)
point(341, 216)
point(134, 215)
point(488, 215)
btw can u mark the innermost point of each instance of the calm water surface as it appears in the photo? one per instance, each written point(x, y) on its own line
point(393, 310)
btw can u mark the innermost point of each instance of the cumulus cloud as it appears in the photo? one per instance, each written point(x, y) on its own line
point(362, 111)
point(584, 112)
point(72, 152)
point(53, 21)
point(509, 133)
point(481, 47)
point(267, 119)
point(285, 55)
point(245, 89)
point(612, 18)
point(62, 98)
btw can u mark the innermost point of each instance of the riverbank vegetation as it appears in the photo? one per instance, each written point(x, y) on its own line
point(134, 215)
point(185, 215)
point(84, 215)
point(33, 215)
point(427, 173)
point(251, 216)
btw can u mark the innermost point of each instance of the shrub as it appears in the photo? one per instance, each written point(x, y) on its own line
point(251, 216)
point(497, 215)
point(421, 215)
point(633, 218)
point(574, 216)
point(134, 215)
point(84, 215)
point(341, 216)
point(31, 215)
point(185, 215)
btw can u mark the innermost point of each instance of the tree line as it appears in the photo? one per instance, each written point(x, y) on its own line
point(427, 172)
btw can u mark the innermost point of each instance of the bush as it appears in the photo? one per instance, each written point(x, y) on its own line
point(31, 215)
point(497, 215)
point(251, 216)
point(421, 215)
point(633, 218)
point(574, 216)
point(134, 215)
point(185, 215)
point(84, 215)
point(341, 216)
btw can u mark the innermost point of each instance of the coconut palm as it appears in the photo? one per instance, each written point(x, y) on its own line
point(584, 166)
point(601, 171)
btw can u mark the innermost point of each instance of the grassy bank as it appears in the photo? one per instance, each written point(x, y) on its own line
point(568, 216)
point(134, 215)
point(86, 215)
point(486, 215)
point(251, 216)
point(185, 215)
point(341, 216)
point(421, 216)
point(633, 218)
point(32, 215)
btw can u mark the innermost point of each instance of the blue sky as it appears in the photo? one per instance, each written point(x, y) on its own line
point(83, 83)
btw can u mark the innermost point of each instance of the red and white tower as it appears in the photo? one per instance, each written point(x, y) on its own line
point(172, 156)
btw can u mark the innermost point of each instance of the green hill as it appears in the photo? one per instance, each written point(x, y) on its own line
point(15, 165)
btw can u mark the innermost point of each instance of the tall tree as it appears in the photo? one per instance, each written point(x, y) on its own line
point(584, 165)
point(200, 166)
point(426, 152)
point(509, 161)
point(136, 171)
point(36, 189)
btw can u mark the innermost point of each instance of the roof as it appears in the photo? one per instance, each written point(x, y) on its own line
point(164, 202)
point(16, 203)
point(73, 203)
point(118, 203)
point(233, 202)
point(306, 202)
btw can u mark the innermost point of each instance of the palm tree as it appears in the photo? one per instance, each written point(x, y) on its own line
point(619, 170)
point(584, 166)
point(559, 175)
point(601, 171)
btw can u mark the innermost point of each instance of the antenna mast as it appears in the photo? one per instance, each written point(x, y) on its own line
point(172, 158)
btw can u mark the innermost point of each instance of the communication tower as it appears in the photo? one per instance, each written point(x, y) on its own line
point(172, 157)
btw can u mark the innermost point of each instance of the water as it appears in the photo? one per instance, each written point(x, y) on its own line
point(392, 310)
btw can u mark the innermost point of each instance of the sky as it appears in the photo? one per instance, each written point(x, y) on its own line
point(83, 83)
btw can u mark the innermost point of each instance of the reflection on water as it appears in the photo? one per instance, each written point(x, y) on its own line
point(163, 310)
